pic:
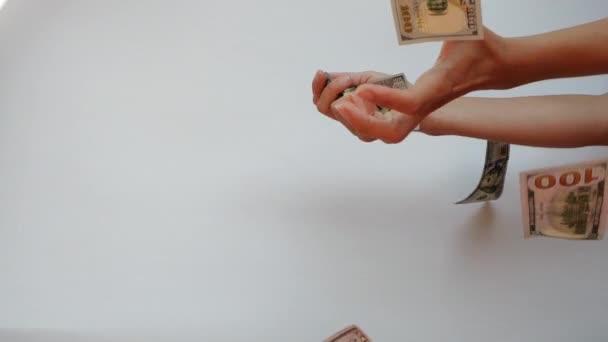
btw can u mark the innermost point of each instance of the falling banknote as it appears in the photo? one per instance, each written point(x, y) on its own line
point(349, 334)
point(566, 202)
point(493, 176)
point(418, 21)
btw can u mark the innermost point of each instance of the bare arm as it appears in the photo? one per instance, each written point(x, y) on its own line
point(493, 63)
point(577, 51)
point(543, 121)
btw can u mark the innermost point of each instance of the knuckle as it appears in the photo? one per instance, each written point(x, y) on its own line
point(338, 85)
point(346, 80)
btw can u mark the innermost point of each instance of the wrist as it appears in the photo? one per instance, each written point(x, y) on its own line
point(441, 121)
point(488, 68)
point(527, 60)
point(514, 68)
point(498, 71)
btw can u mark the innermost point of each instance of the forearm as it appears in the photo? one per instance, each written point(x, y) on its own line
point(577, 51)
point(544, 121)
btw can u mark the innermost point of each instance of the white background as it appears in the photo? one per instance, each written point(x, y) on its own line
point(164, 176)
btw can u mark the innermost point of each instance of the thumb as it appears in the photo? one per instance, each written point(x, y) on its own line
point(432, 90)
point(401, 100)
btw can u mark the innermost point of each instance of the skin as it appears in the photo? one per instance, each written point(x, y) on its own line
point(464, 66)
point(359, 112)
point(561, 121)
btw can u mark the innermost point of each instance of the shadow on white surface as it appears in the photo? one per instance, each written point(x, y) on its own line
point(481, 224)
point(356, 206)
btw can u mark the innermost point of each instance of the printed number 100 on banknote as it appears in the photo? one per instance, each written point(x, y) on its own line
point(567, 202)
point(418, 21)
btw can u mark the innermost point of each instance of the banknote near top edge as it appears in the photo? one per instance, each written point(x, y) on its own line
point(349, 334)
point(567, 202)
point(418, 21)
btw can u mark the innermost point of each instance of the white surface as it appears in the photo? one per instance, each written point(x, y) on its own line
point(164, 174)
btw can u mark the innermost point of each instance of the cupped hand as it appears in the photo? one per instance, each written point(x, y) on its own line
point(326, 92)
point(327, 88)
point(360, 117)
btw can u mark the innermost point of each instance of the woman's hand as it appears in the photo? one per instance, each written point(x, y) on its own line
point(327, 87)
point(326, 92)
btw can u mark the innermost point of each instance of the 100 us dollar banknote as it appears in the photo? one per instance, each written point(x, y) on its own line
point(418, 21)
point(349, 334)
point(493, 175)
point(567, 202)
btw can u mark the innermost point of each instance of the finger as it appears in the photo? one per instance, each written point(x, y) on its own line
point(365, 106)
point(353, 79)
point(397, 125)
point(358, 77)
point(366, 124)
point(331, 92)
point(366, 138)
point(403, 124)
point(430, 92)
point(397, 99)
point(318, 84)
point(393, 117)
point(361, 137)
